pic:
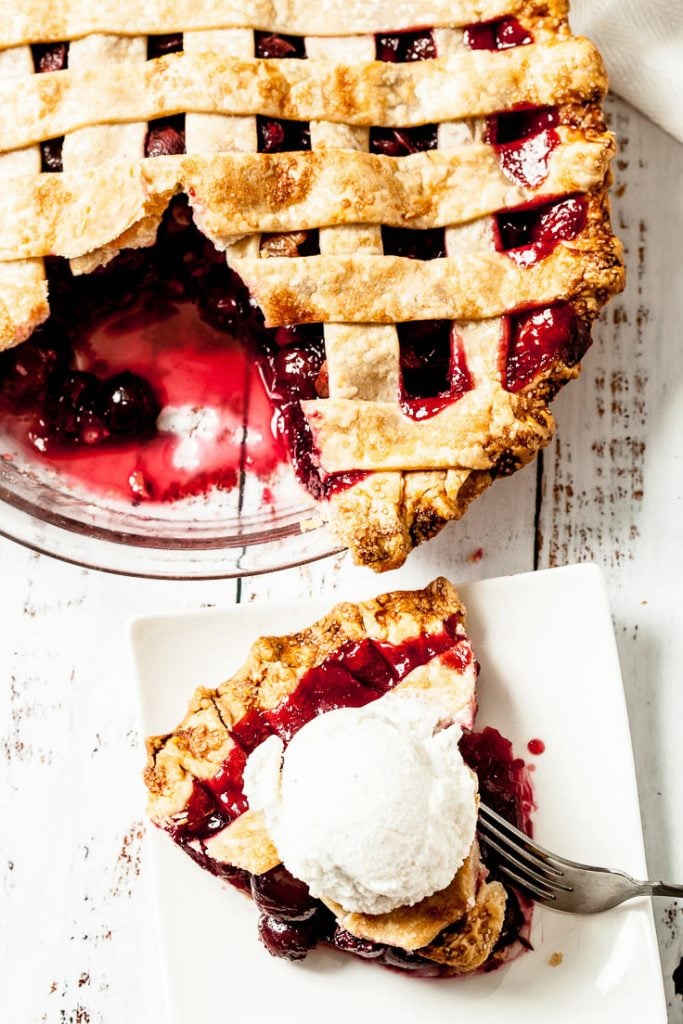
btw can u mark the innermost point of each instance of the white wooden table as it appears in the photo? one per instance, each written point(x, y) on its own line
point(77, 944)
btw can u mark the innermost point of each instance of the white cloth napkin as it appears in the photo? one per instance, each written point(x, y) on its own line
point(642, 43)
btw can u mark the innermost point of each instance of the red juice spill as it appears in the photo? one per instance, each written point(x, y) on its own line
point(536, 747)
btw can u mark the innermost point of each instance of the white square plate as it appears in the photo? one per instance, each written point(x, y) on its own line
point(549, 670)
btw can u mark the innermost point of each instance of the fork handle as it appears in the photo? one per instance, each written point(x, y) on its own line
point(661, 889)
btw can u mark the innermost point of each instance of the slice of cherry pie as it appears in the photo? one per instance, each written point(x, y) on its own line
point(400, 210)
point(353, 708)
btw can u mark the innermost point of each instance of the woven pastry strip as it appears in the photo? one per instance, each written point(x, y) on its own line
point(380, 517)
point(33, 21)
point(471, 83)
point(394, 289)
point(23, 286)
point(71, 214)
point(97, 145)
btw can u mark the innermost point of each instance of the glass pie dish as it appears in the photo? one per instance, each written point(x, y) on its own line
point(219, 535)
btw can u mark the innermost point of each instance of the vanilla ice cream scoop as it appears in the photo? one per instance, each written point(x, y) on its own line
point(372, 807)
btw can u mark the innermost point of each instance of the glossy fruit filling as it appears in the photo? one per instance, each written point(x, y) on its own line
point(537, 340)
point(497, 35)
point(533, 341)
point(155, 379)
point(291, 921)
point(434, 370)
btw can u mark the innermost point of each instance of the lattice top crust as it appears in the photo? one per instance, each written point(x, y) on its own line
point(475, 163)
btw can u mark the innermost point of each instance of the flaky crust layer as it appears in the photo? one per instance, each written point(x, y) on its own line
point(76, 212)
point(33, 21)
point(469, 84)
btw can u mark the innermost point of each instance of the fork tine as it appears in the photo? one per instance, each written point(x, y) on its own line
point(531, 877)
point(521, 842)
point(540, 892)
point(510, 847)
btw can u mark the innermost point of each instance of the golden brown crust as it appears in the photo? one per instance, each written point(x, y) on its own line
point(42, 21)
point(379, 93)
point(468, 944)
point(74, 213)
point(244, 844)
point(413, 927)
point(272, 670)
point(395, 289)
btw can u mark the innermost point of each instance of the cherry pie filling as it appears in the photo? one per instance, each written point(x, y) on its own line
point(291, 921)
point(97, 407)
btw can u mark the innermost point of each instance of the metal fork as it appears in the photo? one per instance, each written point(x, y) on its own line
point(556, 882)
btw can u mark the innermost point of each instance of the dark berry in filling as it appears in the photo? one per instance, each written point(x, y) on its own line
point(352, 944)
point(280, 894)
point(160, 46)
point(539, 339)
point(275, 136)
point(416, 245)
point(434, 371)
point(71, 409)
point(497, 35)
point(538, 229)
point(520, 124)
point(404, 47)
point(268, 46)
point(128, 405)
point(292, 940)
point(50, 56)
point(504, 783)
point(51, 155)
point(166, 136)
point(25, 371)
point(515, 920)
point(526, 160)
point(403, 141)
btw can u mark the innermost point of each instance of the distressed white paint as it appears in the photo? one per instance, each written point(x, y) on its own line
point(77, 927)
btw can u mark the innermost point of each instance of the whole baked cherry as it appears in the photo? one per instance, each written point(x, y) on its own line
point(269, 45)
point(279, 893)
point(271, 135)
point(220, 308)
point(50, 56)
point(291, 940)
point(71, 407)
point(128, 405)
point(164, 140)
point(51, 153)
point(360, 947)
point(26, 369)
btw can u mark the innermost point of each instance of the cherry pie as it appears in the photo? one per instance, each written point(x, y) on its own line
point(411, 203)
point(409, 642)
